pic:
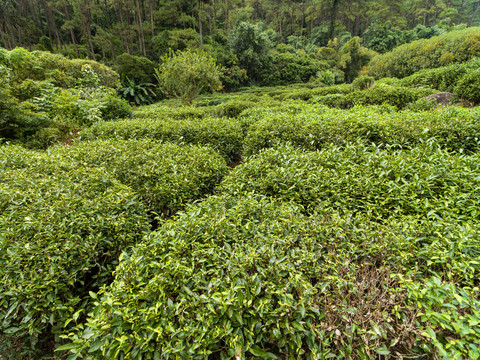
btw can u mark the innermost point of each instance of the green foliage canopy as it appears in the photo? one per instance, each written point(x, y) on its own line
point(186, 74)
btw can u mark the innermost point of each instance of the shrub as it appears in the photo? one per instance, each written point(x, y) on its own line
point(135, 67)
point(363, 82)
point(62, 72)
point(246, 278)
point(468, 87)
point(288, 68)
point(113, 108)
point(165, 176)
point(62, 232)
point(407, 59)
point(108, 77)
point(316, 127)
point(17, 120)
point(233, 77)
point(394, 96)
point(186, 74)
point(443, 78)
point(331, 100)
point(223, 135)
point(325, 77)
point(137, 93)
point(85, 107)
point(422, 104)
point(306, 94)
point(359, 178)
point(47, 112)
point(353, 57)
point(56, 132)
point(231, 108)
point(29, 89)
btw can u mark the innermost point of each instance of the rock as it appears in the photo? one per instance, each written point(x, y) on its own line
point(442, 98)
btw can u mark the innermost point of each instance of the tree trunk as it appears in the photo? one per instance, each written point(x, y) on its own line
point(11, 34)
point(88, 30)
point(107, 15)
point(4, 40)
point(72, 35)
point(111, 49)
point(151, 18)
point(51, 21)
point(474, 14)
point(280, 18)
point(122, 27)
point(214, 15)
point(142, 33)
point(460, 12)
point(333, 18)
point(200, 22)
point(226, 15)
point(192, 5)
point(303, 21)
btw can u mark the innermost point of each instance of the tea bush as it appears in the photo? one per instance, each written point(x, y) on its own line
point(62, 233)
point(394, 96)
point(249, 278)
point(468, 87)
point(315, 127)
point(422, 104)
point(306, 94)
point(165, 176)
point(444, 78)
point(429, 192)
point(359, 178)
point(17, 157)
point(160, 112)
point(231, 108)
point(363, 82)
point(331, 100)
point(223, 135)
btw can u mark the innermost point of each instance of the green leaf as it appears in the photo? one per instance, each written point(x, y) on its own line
point(382, 350)
point(257, 351)
point(68, 346)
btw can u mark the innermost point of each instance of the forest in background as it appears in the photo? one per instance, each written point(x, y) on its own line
point(105, 29)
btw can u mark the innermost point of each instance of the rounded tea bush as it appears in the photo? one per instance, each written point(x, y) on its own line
point(316, 127)
point(222, 134)
point(61, 236)
point(363, 82)
point(245, 278)
point(165, 176)
point(468, 88)
point(363, 179)
point(17, 157)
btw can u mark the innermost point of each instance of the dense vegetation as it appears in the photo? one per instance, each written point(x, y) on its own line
point(267, 42)
point(335, 217)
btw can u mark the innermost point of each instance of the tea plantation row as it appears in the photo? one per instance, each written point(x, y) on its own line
point(346, 253)
point(344, 233)
point(308, 126)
